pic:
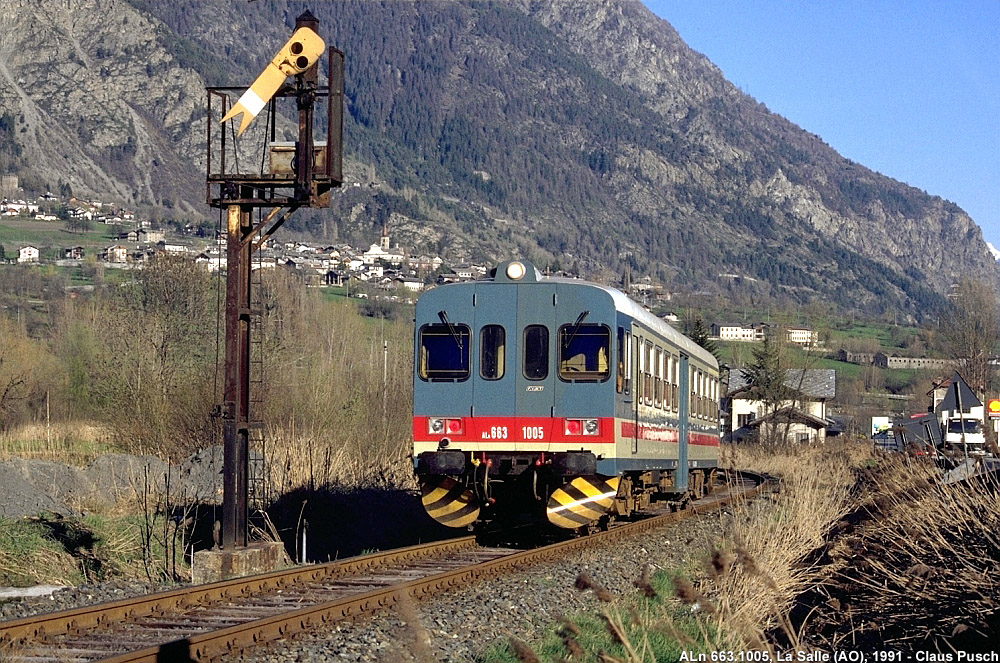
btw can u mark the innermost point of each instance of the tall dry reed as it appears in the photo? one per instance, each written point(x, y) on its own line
point(915, 568)
point(756, 571)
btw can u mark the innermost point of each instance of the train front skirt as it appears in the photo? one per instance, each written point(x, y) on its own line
point(449, 502)
point(582, 501)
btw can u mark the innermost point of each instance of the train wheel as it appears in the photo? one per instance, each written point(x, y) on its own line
point(581, 502)
point(449, 502)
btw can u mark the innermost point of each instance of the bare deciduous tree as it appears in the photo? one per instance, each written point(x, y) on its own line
point(971, 331)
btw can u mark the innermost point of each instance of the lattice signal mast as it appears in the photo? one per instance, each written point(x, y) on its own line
point(294, 174)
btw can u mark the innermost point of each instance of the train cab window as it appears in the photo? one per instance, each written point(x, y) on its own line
point(492, 347)
point(584, 352)
point(536, 352)
point(444, 352)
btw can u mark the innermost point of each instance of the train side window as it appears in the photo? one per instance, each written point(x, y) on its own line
point(658, 378)
point(693, 403)
point(584, 352)
point(675, 382)
point(702, 401)
point(628, 362)
point(715, 399)
point(639, 368)
point(536, 352)
point(647, 388)
point(699, 390)
point(492, 347)
point(444, 352)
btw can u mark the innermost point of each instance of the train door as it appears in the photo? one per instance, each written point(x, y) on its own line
point(495, 364)
point(683, 423)
point(534, 371)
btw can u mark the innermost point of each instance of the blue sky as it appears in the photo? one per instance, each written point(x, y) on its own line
point(910, 89)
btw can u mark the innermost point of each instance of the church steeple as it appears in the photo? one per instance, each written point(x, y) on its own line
point(384, 240)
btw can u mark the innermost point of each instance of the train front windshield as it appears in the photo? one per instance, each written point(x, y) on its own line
point(584, 352)
point(444, 352)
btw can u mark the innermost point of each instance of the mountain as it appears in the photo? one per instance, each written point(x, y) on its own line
point(581, 133)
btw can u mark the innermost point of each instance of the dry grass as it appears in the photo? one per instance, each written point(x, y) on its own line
point(756, 572)
point(71, 442)
point(915, 565)
point(309, 460)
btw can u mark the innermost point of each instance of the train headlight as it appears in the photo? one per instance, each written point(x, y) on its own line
point(515, 271)
point(439, 426)
point(581, 427)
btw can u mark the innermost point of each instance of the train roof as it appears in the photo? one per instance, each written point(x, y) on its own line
point(638, 312)
point(522, 271)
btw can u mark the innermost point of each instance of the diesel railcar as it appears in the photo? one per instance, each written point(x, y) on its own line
point(556, 398)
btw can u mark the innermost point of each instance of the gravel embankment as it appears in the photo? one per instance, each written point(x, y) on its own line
point(459, 625)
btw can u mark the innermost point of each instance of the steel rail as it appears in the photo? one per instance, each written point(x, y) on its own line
point(235, 639)
point(103, 614)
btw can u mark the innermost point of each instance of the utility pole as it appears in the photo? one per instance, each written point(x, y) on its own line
point(297, 175)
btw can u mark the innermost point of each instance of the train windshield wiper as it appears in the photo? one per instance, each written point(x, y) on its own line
point(451, 329)
point(576, 328)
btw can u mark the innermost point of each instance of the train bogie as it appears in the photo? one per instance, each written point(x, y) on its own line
point(555, 396)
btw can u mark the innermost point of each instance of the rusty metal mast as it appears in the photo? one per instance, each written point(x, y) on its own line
point(297, 176)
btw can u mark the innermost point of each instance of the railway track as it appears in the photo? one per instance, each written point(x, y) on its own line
point(219, 620)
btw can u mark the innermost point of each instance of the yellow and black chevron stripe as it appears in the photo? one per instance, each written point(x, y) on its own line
point(581, 501)
point(449, 502)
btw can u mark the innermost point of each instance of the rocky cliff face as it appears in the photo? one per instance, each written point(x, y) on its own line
point(98, 103)
point(582, 133)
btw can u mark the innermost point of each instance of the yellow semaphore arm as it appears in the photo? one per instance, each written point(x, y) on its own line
point(295, 57)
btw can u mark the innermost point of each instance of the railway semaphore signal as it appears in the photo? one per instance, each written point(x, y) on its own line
point(286, 176)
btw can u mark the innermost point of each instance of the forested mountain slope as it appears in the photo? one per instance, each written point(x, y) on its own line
point(582, 133)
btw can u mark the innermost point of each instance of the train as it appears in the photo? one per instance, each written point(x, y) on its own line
point(557, 399)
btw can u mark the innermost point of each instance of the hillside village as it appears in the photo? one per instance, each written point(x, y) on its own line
point(137, 241)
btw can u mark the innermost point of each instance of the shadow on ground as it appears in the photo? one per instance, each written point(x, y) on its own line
point(342, 523)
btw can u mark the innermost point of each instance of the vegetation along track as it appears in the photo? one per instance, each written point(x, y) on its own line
point(210, 622)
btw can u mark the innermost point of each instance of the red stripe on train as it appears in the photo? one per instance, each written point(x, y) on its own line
point(516, 429)
point(656, 434)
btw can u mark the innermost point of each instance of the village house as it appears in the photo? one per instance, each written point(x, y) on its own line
point(801, 417)
point(73, 253)
point(144, 236)
point(411, 284)
point(172, 247)
point(737, 332)
point(27, 254)
point(117, 254)
point(802, 336)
